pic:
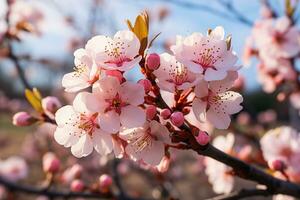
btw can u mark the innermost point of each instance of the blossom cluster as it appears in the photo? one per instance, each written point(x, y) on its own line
point(126, 117)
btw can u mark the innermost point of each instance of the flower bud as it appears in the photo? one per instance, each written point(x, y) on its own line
point(72, 173)
point(177, 118)
point(153, 61)
point(23, 119)
point(146, 84)
point(51, 163)
point(77, 186)
point(105, 181)
point(203, 138)
point(276, 165)
point(51, 104)
point(115, 73)
point(164, 164)
point(150, 112)
point(165, 113)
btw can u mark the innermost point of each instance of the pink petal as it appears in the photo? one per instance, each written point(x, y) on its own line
point(225, 84)
point(218, 33)
point(199, 109)
point(132, 93)
point(230, 102)
point(201, 90)
point(213, 75)
point(63, 137)
point(83, 147)
point(219, 120)
point(106, 88)
point(73, 83)
point(80, 103)
point(154, 153)
point(132, 116)
point(109, 122)
point(102, 142)
point(64, 114)
point(160, 131)
point(131, 42)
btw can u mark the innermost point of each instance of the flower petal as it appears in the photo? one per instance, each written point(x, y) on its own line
point(199, 109)
point(132, 116)
point(83, 147)
point(109, 121)
point(132, 93)
point(102, 142)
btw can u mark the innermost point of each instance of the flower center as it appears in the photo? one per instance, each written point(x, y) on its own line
point(87, 123)
point(115, 50)
point(208, 57)
point(143, 141)
point(115, 104)
point(179, 75)
point(80, 69)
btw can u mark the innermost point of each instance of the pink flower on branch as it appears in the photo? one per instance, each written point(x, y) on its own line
point(117, 104)
point(214, 103)
point(77, 127)
point(118, 53)
point(210, 55)
point(146, 143)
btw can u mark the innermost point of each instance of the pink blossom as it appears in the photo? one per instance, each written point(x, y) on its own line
point(78, 128)
point(165, 113)
point(217, 172)
point(151, 112)
point(85, 74)
point(208, 55)
point(105, 182)
point(287, 143)
point(14, 168)
point(203, 138)
point(23, 119)
point(118, 53)
point(276, 38)
point(172, 75)
point(177, 118)
point(146, 84)
point(51, 163)
point(77, 185)
point(146, 143)
point(50, 105)
point(214, 103)
point(117, 104)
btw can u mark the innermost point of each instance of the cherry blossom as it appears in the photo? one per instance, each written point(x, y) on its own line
point(85, 74)
point(118, 53)
point(214, 103)
point(117, 104)
point(208, 55)
point(287, 143)
point(78, 128)
point(172, 75)
point(276, 38)
point(146, 143)
point(14, 168)
point(218, 173)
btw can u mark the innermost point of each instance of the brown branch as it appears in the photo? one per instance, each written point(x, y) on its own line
point(242, 194)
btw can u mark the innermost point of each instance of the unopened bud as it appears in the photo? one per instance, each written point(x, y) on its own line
point(23, 119)
point(177, 119)
point(51, 104)
point(146, 84)
point(51, 163)
point(77, 186)
point(105, 181)
point(203, 138)
point(165, 113)
point(153, 61)
point(150, 112)
point(276, 165)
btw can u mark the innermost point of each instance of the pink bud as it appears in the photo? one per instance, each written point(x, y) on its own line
point(105, 181)
point(77, 186)
point(115, 73)
point(146, 84)
point(165, 113)
point(51, 163)
point(153, 61)
point(277, 165)
point(23, 119)
point(164, 164)
point(177, 119)
point(72, 173)
point(150, 112)
point(203, 138)
point(51, 104)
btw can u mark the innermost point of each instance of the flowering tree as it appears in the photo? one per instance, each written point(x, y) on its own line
point(182, 97)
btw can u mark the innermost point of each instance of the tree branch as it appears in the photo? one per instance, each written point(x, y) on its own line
point(241, 194)
point(246, 171)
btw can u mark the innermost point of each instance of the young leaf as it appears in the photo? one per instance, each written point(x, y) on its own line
point(33, 100)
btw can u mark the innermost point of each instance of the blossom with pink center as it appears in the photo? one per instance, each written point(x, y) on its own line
point(214, 103)
point(77, 127)
point(117, 104)
point(85, 74)
point(172, 75)
point(14, 168)
point(146, 143)
point(218, 173)
point(283, 144)
point(208, 55)
point(118, 53)
point(276, 38)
